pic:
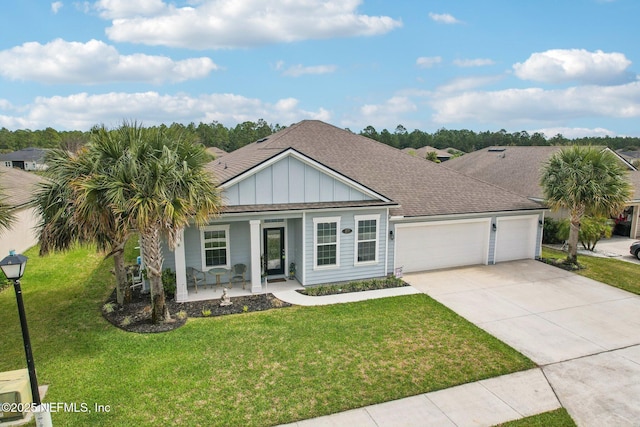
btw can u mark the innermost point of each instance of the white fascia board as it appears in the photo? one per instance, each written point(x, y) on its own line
point(622, 159)
point(399, 219)
point(297, 213)
point(290, 152)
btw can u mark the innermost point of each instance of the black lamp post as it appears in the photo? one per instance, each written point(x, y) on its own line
point(13, 267)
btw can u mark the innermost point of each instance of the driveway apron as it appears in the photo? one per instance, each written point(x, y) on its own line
point(584, 334)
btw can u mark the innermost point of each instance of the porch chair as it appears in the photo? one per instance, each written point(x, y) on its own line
point(196, 276)
point(135, 276)
point(238, 273)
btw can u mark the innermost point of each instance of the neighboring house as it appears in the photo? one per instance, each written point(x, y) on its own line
point(518, 169)
point(29, 159)
point(216, 152)
point(422, 152)
point(343, 207)
point(630, 156)
point(19, 187)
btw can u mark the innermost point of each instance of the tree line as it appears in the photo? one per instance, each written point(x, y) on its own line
point(215, 134)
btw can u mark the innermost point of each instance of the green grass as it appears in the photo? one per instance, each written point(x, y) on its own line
point(251, 369)
point(558, 418)
point(621, 274)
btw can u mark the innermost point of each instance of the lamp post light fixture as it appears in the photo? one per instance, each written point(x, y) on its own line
point(13, 268)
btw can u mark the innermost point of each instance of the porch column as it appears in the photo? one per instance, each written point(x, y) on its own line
point(181, 269)
point(256, 270)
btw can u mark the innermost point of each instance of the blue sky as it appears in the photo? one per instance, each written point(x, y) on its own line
point(561, 66)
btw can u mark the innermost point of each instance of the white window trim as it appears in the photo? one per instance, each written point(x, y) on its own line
point(358, 218)
point(317, 221)
point(225, 228)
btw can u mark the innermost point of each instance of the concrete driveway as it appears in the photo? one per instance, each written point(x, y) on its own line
point(616, 247)
point(584, 334)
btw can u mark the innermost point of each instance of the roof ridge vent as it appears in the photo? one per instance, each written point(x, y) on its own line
point(496, 149)
point(262, 140)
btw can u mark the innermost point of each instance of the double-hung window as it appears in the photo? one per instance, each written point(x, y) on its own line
point(326, 242)
point(215, 246)
point(366, 239)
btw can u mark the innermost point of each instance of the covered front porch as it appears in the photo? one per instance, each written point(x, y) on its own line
point(238, 250)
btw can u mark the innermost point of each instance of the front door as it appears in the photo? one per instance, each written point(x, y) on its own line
point(274, 250)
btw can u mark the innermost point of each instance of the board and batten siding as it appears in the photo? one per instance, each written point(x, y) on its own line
point(290, 181)
point(347, 270)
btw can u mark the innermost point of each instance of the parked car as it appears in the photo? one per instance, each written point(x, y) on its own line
point(635, 249)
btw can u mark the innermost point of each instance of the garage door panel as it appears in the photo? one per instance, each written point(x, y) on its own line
point(429, 246)
point(516, 238)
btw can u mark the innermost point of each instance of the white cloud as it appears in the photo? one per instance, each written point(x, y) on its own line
point(56, 6)
point(121, 9)
point(444, 18)
point(95, 62)
point(387, 114)
point(535, 105)
point(564, 65)
point(219, 24)
point(428, 61)
point(576, 132)
point(300, 70)
point(479, 62)
point(82, 111)
point(467, 83)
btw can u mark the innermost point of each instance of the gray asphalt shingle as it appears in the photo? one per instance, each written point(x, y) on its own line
point(420, 187)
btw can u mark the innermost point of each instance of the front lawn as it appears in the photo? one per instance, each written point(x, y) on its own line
point(621, 274)
point(252, 369)
point(558, 418)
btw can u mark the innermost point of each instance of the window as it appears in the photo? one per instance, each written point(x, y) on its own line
point(326, 242)
point(366, 239)
point(215, 247)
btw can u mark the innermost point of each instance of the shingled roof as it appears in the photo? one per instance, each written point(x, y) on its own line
point(423, 151)
point(515, 168)
point(420, 187)
point(18, 186)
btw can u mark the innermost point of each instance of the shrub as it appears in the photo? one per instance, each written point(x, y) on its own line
point(356, 286)
point(169, 282)
point(550, 232)
point(592, 229)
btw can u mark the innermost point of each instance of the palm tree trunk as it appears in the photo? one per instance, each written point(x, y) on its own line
point(152, 250)
point(574, 234)
point(123, 292)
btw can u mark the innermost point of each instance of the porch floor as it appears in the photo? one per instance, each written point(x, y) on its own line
point(214, 292)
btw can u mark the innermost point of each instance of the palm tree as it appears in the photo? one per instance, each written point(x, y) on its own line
point(67, 219)
point(156, 187)
point(584, 181)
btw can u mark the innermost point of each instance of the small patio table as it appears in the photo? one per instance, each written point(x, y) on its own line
point(218, 272)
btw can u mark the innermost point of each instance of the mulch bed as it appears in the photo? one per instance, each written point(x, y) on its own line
point(136, 316)
point(560, 263)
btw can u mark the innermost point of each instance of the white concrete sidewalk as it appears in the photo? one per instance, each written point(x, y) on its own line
point(482, 403)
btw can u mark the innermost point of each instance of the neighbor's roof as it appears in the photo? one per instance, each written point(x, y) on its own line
point(423, 151)
point(420, 187)
point(515, 168)
point(30, 154)
point(216, 152)
point(18, 185)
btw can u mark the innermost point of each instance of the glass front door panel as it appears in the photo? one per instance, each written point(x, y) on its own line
point(274, 250)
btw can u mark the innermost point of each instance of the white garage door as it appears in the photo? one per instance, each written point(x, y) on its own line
point(516, 237)
point(427, 246)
